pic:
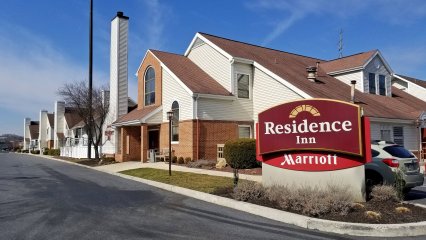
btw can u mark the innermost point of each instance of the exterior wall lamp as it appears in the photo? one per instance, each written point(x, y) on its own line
point(170, 118)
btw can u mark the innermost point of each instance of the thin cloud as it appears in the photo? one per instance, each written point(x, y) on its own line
point(408, 60)
point(397, 12)
point(31, 71)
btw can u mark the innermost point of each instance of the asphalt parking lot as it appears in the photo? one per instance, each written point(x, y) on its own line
point(417, 195)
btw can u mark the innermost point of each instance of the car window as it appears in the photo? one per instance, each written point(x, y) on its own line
point(398, 151)
point(374, 153)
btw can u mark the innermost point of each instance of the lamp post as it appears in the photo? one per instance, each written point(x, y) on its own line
point(170, 117)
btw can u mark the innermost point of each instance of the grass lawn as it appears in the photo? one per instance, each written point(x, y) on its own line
point(199, 182)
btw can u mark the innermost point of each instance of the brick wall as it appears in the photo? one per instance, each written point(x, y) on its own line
point(130, 144)
point(185, 147)
point(209, 134)
point(149, 61)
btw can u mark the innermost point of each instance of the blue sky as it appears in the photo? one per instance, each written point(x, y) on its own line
point(44, 43)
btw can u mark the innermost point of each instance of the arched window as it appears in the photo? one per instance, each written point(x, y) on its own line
point(149, 86)
point(175, 121)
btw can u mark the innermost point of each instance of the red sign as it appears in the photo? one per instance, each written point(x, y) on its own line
point(314, 124)
point(313, 135)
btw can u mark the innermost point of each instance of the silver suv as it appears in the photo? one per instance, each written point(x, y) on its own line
point(389, 157)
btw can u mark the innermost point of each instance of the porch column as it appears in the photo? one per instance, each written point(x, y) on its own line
point(144, 143)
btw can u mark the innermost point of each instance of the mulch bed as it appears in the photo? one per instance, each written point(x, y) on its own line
point(386, 209)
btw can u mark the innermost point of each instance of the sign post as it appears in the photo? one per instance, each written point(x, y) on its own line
point(314, 142)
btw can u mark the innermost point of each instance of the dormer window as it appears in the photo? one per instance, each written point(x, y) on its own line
point(382, 85)
point(372, 83)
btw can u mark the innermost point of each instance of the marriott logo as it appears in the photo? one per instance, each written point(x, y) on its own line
point(310, 160)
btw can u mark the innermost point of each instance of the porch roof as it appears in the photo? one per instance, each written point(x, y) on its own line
point(137, 116)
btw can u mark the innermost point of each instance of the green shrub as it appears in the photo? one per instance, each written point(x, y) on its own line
point(54, 152)
point(399, 185)
point(240, 154)
point(25, 151)
point(174, 159)
point(181, 160)
point(46, 152)
point(35, 151)
point(187, 160)
point(384, 193)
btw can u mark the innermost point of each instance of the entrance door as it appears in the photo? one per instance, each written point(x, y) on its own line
point(153, 139)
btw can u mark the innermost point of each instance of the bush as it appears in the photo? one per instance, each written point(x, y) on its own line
point(201, 163)
point(180, 160)
point(310, 201)
point(241, 153)
point(25, 151)
point(187, 160)
point(54, 152)
point(384, 193)
point(35, 151)
point(246, 191)
point(174, 159)
point(399, 185)
point(46, 152)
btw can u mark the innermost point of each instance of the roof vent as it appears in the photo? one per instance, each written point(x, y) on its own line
point(312, 71)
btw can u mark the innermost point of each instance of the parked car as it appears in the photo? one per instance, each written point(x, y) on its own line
point(387, 159)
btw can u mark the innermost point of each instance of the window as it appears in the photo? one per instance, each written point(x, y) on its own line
point(398, 135)
point(382, 85)
point(372, 83)
point(149, 86)
point(398, 151)
point(244, 132)
point(175, 121)
point(374, 153)
point(385, 135)
point(243, 81)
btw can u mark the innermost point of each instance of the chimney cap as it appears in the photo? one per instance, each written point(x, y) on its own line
point(311, 69)
point(120, 14)
point(353, 82)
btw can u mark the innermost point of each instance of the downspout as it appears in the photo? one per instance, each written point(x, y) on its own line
point(195, 97)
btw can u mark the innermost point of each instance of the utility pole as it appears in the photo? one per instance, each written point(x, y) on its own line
point(89, 143)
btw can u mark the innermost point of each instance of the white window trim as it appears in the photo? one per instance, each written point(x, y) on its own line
point(236, 85)
point(244, 125)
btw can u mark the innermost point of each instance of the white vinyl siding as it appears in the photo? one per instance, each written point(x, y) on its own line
point(172, 91)
point(410, 133)
point(348, 77)
point(232, 110)
point(381, 70)
point(268, 92)
point(213, 63)
point(156, 118)
point(411, 88)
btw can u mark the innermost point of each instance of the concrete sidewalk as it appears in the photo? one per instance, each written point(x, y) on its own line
point(118, 167)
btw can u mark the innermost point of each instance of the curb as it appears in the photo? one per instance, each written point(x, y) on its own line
point(354, 229)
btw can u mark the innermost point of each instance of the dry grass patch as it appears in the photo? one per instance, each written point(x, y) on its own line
point(199, 182)
point(402, 210)
point(372, 215)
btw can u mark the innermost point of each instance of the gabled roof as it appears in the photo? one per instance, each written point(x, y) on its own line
point(190, 74)
point(350, 62)
point(419, 82)
point(51, 119)
point(137, 116)
point(71, 117)
point(34, 131)
point(292, 68)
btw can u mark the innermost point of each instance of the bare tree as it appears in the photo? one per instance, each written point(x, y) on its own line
point(76, 95)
